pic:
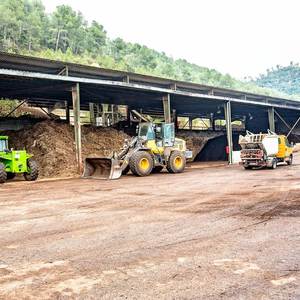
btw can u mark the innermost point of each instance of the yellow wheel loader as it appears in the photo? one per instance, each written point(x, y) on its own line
point(153, 149)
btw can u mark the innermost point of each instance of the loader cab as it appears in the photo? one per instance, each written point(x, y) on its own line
point(163, 134)
point(3, 143)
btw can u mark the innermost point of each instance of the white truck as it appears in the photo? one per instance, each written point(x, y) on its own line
point(264, 150)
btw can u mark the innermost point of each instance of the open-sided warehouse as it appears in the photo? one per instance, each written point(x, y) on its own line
point(45, 83)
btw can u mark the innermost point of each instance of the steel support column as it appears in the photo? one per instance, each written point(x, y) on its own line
point(77, 125)
point(167, 108)
point(92, 113)
point(227, 109)
point(67, 108)
point(271, 116)
point(174, 119)
point(190, 123)
point(128, 115)
point(113, 117)
point(212, 122)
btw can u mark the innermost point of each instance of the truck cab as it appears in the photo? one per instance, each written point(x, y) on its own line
point(285, 149)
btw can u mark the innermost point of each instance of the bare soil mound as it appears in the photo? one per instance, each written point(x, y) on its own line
point(52, 144)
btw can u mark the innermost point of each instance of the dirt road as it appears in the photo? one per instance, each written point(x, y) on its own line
point(212, 232)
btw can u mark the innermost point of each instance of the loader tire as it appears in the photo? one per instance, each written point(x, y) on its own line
point(11, 175)
point(3, 174)
point(141, 163)
point(157, 169)
point(33, 169)
point(126, 170)
point(176, 162)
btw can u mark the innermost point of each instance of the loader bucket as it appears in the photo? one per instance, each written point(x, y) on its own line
point(102, 168)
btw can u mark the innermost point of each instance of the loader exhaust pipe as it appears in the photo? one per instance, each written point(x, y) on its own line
point(102, 168)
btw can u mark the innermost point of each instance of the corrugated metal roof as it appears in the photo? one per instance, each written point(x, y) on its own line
point(54, 67)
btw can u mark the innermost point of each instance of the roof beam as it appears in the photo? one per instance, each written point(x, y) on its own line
point(12, 93)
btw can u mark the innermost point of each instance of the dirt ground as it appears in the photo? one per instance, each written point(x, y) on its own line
point(213, 232)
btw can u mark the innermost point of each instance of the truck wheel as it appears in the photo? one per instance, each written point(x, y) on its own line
point(176, 162)
point(3, 174)
point(247, 167)
point(33, 170)
point(274, 163)
point(11, 175)
point(157, 169)
point(141, 163)
point(290, 161)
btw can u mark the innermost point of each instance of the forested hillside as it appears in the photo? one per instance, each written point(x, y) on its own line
point(284, 79)
point(66, 35)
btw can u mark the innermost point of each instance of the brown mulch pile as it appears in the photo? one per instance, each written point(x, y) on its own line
point(53, 147)
point(195, 141)
point(52, 144)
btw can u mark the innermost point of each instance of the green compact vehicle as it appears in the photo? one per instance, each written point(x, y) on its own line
point(14, 162)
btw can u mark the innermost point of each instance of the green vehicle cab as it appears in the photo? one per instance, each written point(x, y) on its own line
point(14, 162)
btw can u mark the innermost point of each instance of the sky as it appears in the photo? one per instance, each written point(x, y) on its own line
point(238, 37)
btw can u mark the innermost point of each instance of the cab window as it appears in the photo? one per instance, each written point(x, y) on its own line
point(146, 132)
point(169, 134)
point(3, 145)
point(287, 142)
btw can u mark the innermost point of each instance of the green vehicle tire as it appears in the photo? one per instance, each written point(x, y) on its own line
point(3, 174)
point(10, 175)
point(33, 169)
